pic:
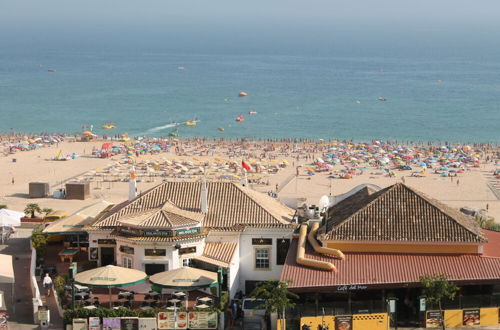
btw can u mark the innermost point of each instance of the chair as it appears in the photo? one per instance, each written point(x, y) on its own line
point(87, 303)
point(117, 304)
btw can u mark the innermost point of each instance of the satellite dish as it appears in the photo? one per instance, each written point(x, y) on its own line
point(324, 202)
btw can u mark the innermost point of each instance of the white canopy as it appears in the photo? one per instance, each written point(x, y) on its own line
point(10, 217)
point(185, 278)
point(76, 221)
point(7, 269)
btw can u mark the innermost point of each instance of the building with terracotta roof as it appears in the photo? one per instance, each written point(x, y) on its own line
point(208, 225)
point(374, 245)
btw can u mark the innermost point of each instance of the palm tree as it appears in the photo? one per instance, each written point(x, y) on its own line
point(47, 211)
point(32, 209)
point(277, 296)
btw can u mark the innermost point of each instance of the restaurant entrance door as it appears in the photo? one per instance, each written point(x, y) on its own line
point(152, 269)
point(407, 306)
point(107, 256)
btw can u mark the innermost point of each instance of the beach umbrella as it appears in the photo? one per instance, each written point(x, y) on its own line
point(110, 277)
point(185, 278)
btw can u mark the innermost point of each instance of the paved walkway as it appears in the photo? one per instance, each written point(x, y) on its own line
point(56, 321)
point(20, 310)
point(21, 313)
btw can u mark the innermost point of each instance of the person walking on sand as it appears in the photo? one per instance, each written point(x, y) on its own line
point(458, 182)
point(47, 284)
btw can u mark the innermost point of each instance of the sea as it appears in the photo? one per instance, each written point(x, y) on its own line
point(419, 87)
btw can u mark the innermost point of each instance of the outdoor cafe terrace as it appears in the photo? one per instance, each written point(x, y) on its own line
point(139, 296)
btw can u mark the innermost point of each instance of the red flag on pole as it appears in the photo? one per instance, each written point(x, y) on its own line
point(245, 165)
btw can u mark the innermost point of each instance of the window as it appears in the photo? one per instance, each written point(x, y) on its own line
point(155, 252)
point(262, 258)
point(187, 262)
point(282, 245)
point(127, 262)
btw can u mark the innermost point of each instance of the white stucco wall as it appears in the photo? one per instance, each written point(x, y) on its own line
point(247, 269)
point(139, 259)
point(234, 273)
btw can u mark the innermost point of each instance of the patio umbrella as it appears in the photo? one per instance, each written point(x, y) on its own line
point(185, 278)
point(110, 277)
point(10, 218)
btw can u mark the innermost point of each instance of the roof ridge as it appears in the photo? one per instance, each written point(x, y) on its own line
point(404, 199)
point(432, 202)
point(240, 188)
point(375, 196)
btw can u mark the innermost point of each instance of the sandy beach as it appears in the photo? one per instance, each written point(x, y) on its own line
point(466, 189)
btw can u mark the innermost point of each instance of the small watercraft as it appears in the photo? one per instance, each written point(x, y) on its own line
point(381, 99)
point(240, 118)
point(173, 134)
point(51, 70)
point(180, 68)
point(221, 129)
point(109, 125)
point(241, 94)
point(252, 112)
point(358, 102)
point(191, 123)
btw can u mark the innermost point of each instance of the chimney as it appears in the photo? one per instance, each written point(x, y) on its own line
point(204, 196)
point(132, 185)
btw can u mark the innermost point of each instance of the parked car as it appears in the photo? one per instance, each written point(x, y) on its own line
point(253, 307)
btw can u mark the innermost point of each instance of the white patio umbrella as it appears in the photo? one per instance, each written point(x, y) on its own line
point(185, 278)
point(10, 218)
point(110, 277)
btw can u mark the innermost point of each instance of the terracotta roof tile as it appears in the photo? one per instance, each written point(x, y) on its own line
point(229, 204)
point(398, 213)
point(387, 268)
point(218, 253)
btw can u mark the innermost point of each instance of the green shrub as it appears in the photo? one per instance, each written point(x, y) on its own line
point(71, 314)
point(39, 241)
